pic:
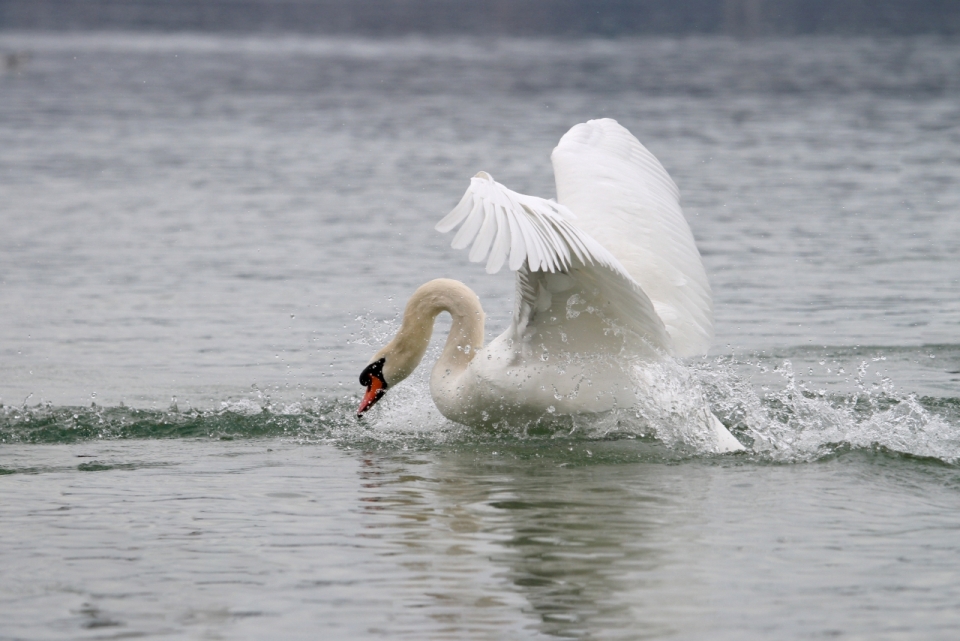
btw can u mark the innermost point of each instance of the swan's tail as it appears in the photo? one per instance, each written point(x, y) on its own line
point(671, 399)
point(726, 442)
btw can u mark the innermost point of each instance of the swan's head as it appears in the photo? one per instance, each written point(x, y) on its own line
point(403, 354)
point(372, 378)
point(389, 366)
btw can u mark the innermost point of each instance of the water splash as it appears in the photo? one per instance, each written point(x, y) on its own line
point(782, 419)
point(785, 421)
point(791, 422)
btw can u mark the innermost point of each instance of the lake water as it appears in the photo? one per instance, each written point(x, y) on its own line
point(204, 238)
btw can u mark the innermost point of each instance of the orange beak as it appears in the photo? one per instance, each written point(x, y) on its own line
point(375, 392)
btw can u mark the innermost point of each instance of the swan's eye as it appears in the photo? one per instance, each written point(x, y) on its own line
point(373, 369)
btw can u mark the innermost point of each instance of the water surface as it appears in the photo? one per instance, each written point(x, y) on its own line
point(206, 237)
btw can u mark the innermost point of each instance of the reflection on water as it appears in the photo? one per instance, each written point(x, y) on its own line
point(613, 550)
point(572, 545)
point(583, 549)
point(432, 529)
point(589, 539)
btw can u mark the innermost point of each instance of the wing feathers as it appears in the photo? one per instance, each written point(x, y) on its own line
point(533, 236)
point(470, 227)
point(518, 253)
point(501, 244)
point(630, 243)
point(488, 231)
point(498, 224)
point(455, 217)
point(626, 201)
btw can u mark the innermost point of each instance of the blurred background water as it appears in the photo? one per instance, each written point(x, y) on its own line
point(205, 236)
point(194, 215)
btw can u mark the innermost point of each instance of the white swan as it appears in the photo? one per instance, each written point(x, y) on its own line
point(606, 275)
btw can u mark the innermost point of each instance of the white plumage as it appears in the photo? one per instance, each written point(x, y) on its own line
point(607, 275)
point(619, 210)
point(626, 201)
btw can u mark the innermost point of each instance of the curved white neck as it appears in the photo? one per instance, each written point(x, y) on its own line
point(407, 348)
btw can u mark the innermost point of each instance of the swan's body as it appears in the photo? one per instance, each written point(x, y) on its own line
point(607, 276)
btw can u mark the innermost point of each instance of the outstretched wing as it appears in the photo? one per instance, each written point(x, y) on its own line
point(556, 262)
point(625, 200)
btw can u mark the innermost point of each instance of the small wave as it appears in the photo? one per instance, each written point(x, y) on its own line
point(786, 423)
point(49, 424)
